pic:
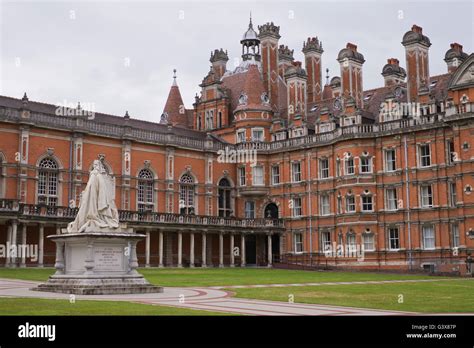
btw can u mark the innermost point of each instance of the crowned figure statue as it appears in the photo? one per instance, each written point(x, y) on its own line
point(97, 209)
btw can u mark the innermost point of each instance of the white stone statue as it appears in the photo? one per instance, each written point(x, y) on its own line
point(97, 209)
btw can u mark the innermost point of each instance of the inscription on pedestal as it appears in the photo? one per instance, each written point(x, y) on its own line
point(108, 258)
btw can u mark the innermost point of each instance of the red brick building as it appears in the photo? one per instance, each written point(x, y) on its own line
point(270, 164)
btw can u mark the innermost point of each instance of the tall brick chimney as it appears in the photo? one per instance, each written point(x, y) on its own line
point(417, 61)
point(219, 60)
point(297, 91)
point(285, 59)
point(351, 63)
point(454, 57)
point(269, 34)
point(393, 73)
point(313, 49)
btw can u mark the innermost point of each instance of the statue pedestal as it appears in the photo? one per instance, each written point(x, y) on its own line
point(100, 263)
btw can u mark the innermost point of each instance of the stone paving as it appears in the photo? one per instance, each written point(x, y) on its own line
point(215, 299)
point(210, 299)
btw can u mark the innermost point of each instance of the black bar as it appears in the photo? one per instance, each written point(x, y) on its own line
point(244, 330)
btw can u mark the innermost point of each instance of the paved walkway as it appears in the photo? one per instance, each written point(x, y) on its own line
point(338, 283)
point(210, 299)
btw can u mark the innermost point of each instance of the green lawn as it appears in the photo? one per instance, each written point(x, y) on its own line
point(224, 276)
point(440, 297)
point(34, 306)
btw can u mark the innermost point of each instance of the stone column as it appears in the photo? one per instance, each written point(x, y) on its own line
point(269, 239)
point(221, 250)
point(9, 242)
point(13, 243)
point(232, 251)
point(147, 249)
point(204, 256)
point(242, 251)
point(23, 246)
point(191, 250)
point(40, 245)
point(59, 264)
point(180, 249)
point(160, 251)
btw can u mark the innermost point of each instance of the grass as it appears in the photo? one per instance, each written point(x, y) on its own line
point(427, 297)
point(441, 296)
point(33, 306)
point(182, 277)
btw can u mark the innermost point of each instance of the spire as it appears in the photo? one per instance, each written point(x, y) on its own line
point(174, 78)
point(174, 110)
point(327, 76)
point(250, 43)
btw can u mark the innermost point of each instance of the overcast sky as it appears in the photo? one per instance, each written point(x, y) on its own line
point(118, 56)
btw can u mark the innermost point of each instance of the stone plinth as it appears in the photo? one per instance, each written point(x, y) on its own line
point(97, 264)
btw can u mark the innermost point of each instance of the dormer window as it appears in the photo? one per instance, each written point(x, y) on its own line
point(398, 92)
point(257, 134)
point(349, 121)
point(367, 97)
point(243, 99)
point(464, 99)
point(314, 108)
point(433, 83)
point(337, 104)
point(264, 97)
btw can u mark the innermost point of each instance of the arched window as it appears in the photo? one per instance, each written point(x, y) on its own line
point(186, 194)
point(271, 211)
point(145, 191)
point(225, 205)
point(48, 181)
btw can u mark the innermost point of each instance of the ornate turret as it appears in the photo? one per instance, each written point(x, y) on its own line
point(455, 56)
point(351, 61)
point(174, 112)
point(417, 62)
point(393, 73)
point(250, 44)
point(313, 50)
point(312, 44)
point(219, 60)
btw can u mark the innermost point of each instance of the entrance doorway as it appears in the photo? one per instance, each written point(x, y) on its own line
point(250, 250)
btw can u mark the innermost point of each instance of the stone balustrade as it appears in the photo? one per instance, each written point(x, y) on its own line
point(29, 211)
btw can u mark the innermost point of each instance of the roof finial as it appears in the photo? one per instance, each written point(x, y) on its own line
point(250, 24)
point(174, 78)
point(327, 76)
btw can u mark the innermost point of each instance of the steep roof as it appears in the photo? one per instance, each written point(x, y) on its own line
point(50, 109)
point(374, 97)
point(174, 107)
point(254, 90)
point(234, 85)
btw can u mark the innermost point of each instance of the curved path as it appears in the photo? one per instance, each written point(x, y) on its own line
point(211, 299)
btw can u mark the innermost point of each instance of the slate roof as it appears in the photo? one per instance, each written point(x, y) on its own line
point(50, 109)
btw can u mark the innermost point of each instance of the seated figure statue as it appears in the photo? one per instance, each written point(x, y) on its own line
point(97, 210)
